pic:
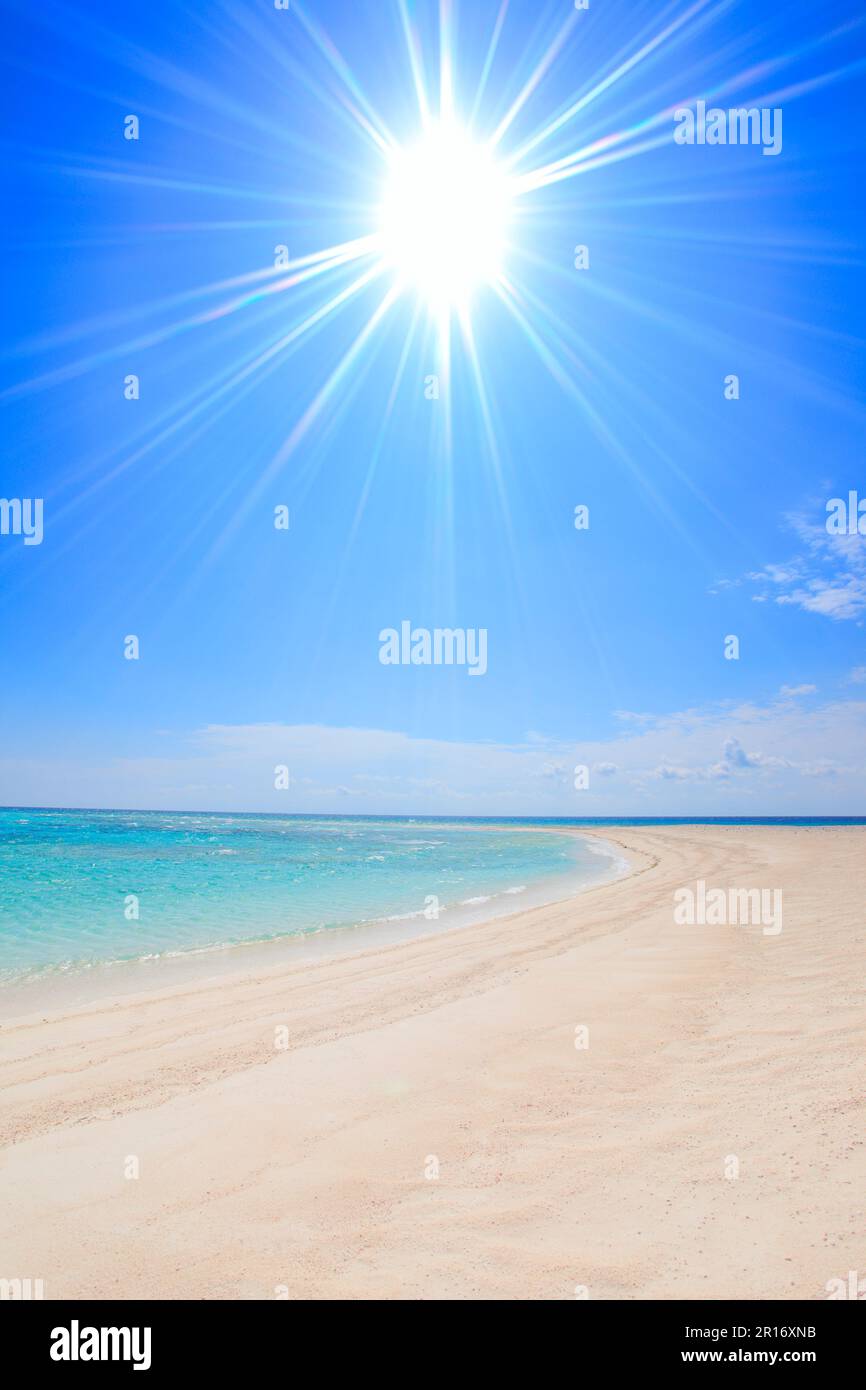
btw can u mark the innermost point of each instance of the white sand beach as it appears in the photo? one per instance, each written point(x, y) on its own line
point(429, 1129)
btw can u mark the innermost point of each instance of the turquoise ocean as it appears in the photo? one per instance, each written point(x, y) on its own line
point(85, 889)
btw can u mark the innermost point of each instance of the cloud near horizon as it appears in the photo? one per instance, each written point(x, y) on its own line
point(724, 759)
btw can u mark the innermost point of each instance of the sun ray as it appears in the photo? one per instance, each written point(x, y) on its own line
point(114, 171)
point(344, 109)
point(489, 428)
point(593, 155)
point(206, 412)
point(554, 363)
point(312, 264)
point(605, 83)
point(372, 122)
point(564, 334)
point(71, 370)
point(488, 62)
point(313, 411)
point(416, 63)
point(365, 490)
point(446, 58)
point(530, 85)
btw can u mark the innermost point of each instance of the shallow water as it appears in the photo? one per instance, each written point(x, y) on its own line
point(80, 889)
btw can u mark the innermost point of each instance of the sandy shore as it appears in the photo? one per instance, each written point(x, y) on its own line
point(306, 1170)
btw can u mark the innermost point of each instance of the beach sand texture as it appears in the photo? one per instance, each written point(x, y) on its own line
point(303, 1171)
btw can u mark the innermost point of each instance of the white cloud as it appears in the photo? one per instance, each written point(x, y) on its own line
point(783, 756)
point(735, 755)
point(667, 773)
point(827, 577)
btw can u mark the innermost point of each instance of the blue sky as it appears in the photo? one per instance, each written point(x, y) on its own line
point(603, 387)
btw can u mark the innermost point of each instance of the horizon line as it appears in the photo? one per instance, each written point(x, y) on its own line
point(404, 815)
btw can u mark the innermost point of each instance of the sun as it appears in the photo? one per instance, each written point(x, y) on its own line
point(444, 217)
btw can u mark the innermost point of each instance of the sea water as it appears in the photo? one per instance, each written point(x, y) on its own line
point(85, 889)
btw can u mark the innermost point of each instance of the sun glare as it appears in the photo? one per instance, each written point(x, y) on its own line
point(444, 217)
